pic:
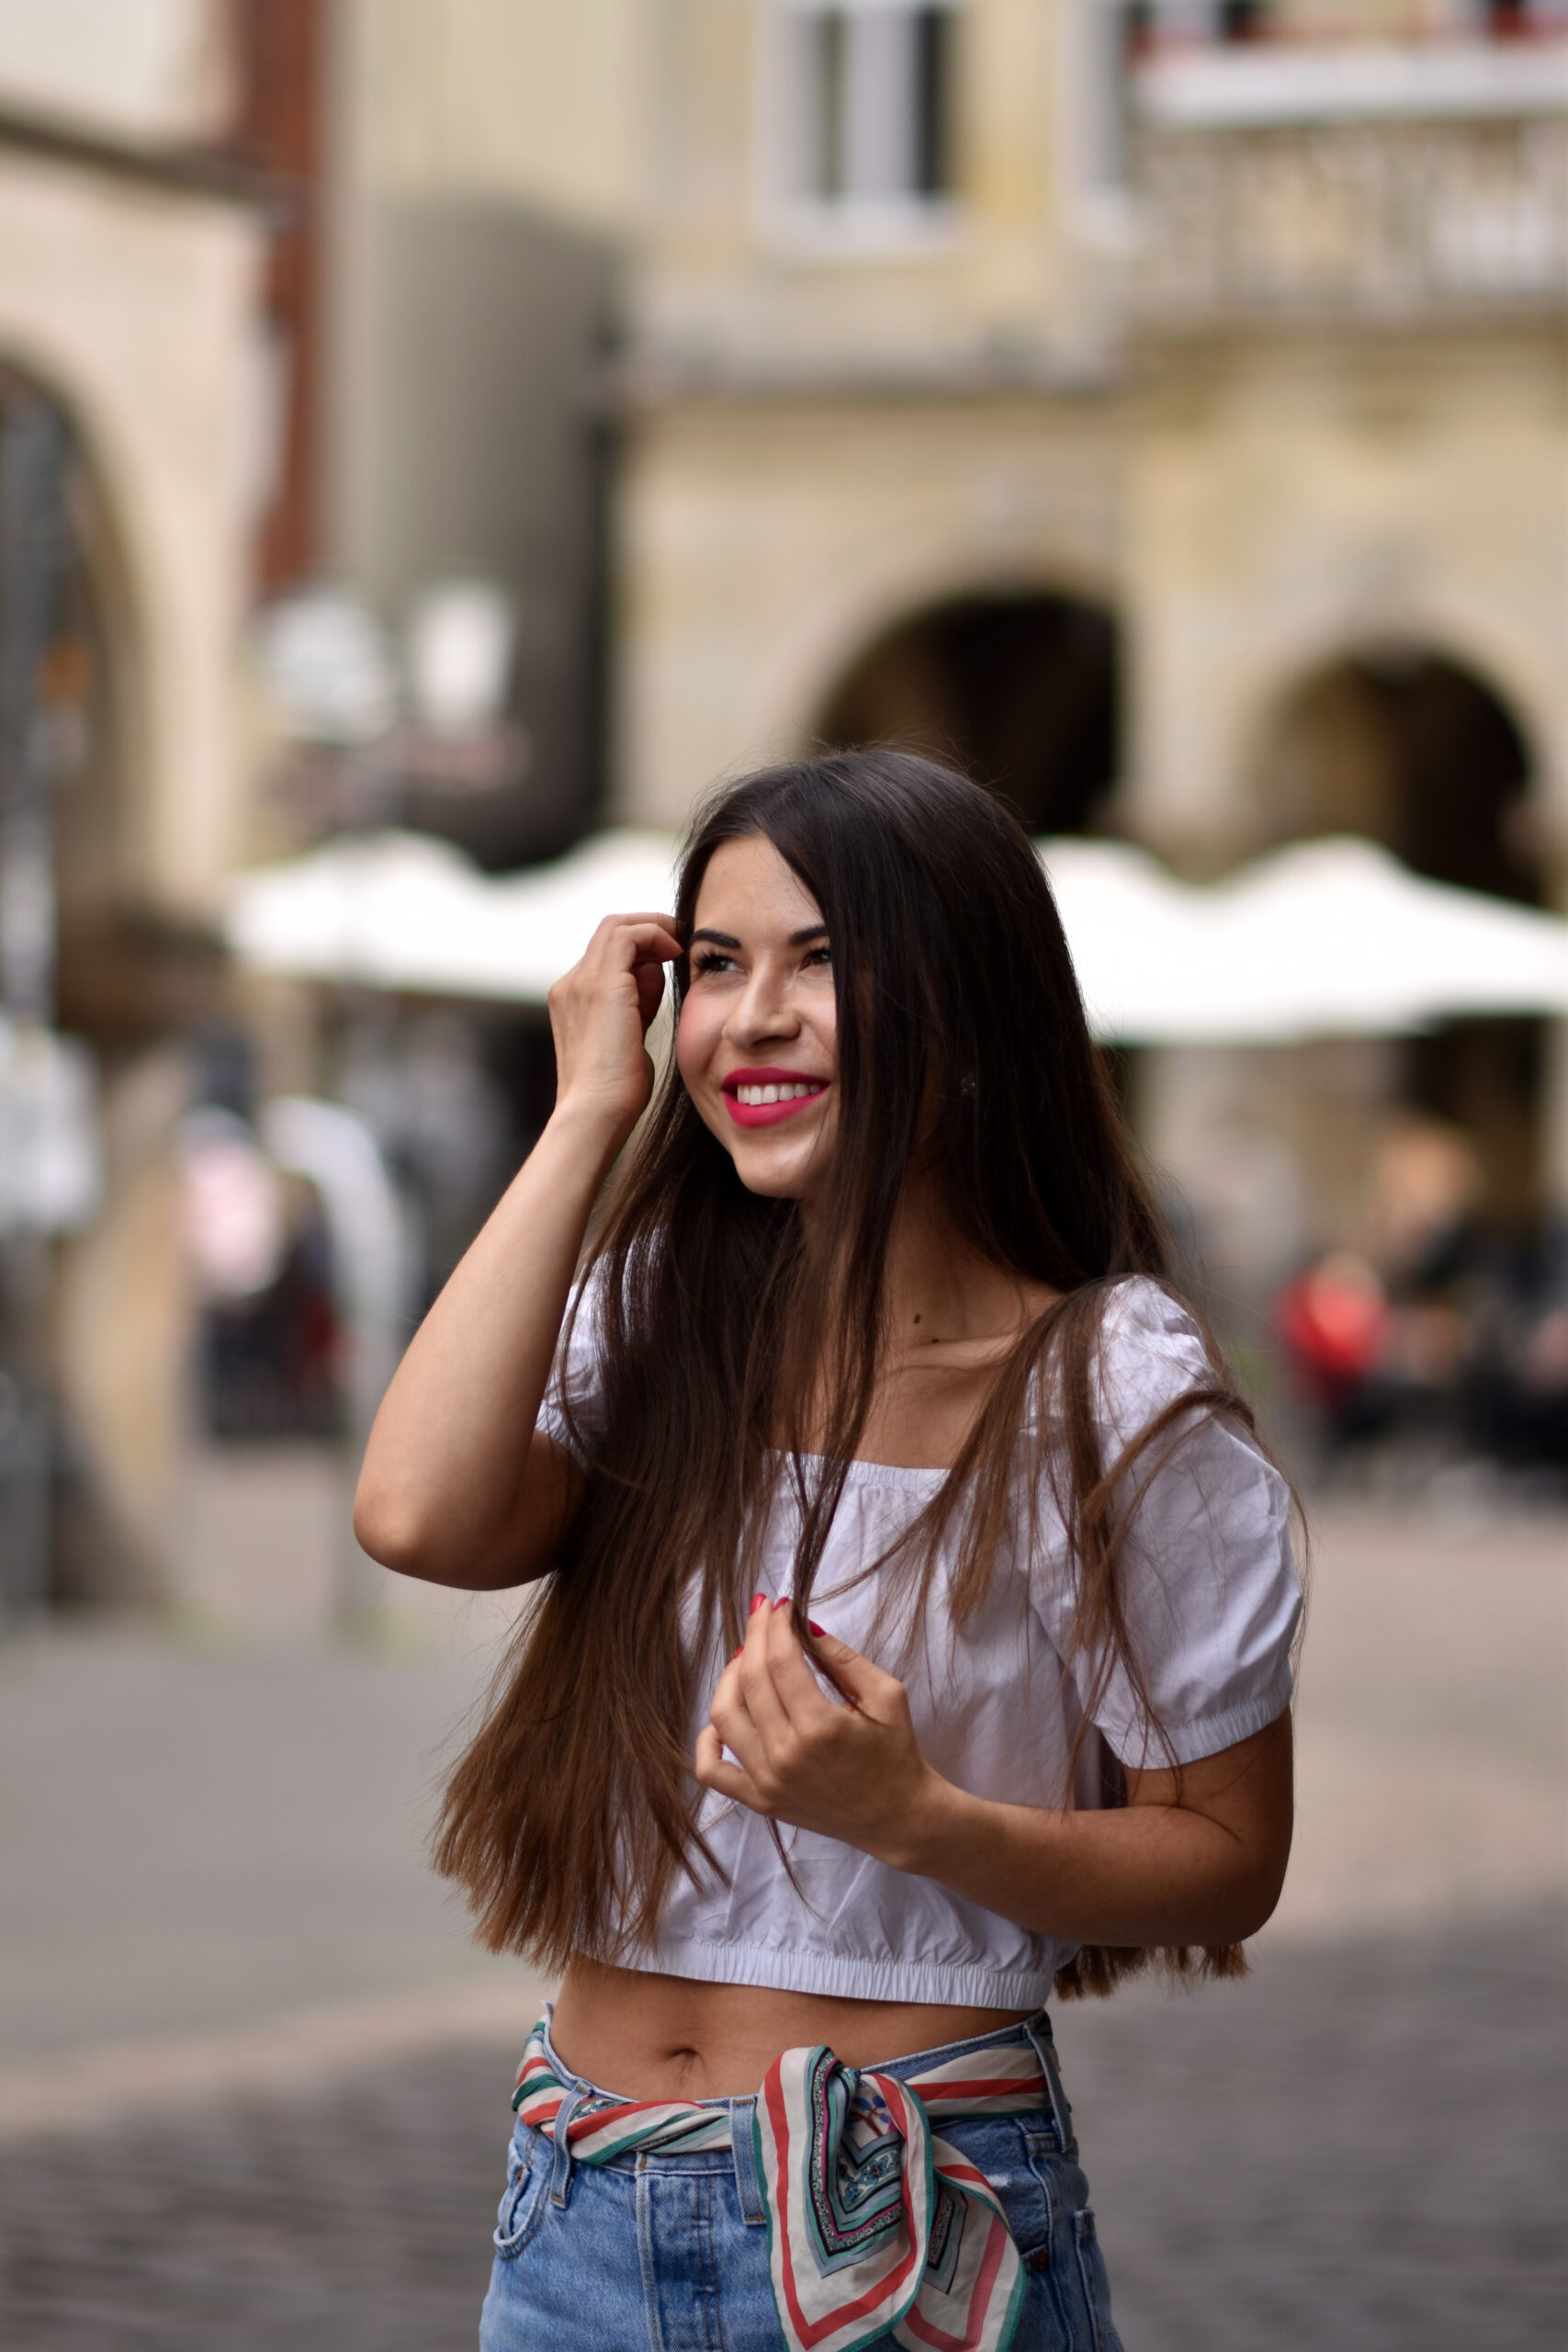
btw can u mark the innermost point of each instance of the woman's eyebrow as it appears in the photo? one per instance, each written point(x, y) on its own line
point(797, 938)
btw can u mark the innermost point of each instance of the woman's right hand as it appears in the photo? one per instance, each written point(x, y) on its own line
point(600, 1013)
point(446, 1492)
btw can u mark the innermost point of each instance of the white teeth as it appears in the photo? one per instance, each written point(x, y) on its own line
point(755, 1097)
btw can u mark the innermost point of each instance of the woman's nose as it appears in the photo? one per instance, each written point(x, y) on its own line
point(764, 1010)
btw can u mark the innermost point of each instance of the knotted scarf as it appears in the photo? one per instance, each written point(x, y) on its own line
point(876, 2225)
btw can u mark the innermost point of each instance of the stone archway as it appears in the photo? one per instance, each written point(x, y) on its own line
point(1415, 749)
point(1418, 751)
point(66, 852)
point(124, 973)
point(88, 661)
point(1021, 687)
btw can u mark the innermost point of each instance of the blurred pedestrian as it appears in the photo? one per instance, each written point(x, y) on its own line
point(1333, 1319)
point(878, 1324)
point(1426, 1188)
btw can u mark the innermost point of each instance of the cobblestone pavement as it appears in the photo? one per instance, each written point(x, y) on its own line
point(275, 2082)
point(1362, 2148)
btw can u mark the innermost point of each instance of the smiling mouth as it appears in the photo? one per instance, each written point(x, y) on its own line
point(760, 1097)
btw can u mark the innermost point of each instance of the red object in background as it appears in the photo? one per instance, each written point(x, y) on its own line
point(279, 127)
point(1335, 1322)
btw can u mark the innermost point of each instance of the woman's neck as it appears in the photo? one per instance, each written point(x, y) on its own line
point(938, 1289)
point(952, 1320)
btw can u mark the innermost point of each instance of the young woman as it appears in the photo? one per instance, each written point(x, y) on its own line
point(920, 1610)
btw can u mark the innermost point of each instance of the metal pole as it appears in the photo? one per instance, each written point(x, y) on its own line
point(32, 547)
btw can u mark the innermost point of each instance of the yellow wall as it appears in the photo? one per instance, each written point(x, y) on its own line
point(761, 545)
point(152, 72)
point(727, 277)
point(645, 116)
point(527, 98)
point(135, 308)
point(1293, 501)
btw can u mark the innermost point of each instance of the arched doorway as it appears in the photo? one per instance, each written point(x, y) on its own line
point(1418, 751)
point(68, 574)
point(1021, 687)
point(62, 859)
point(85, 688)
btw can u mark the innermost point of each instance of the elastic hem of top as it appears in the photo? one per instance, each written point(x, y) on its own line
point(1189, 1743)
point(847, 1978)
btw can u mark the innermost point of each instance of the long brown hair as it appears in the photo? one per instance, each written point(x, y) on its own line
point(725, 1321)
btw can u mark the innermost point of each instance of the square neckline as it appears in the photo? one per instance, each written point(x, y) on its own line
point(860, 1473)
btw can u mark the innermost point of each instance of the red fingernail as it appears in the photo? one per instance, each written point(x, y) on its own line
point(759, 1601)
point(819, 1631)
point(740, 1652)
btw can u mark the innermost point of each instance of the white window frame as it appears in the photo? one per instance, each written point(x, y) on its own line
point(846, 225)
point(1094, 123)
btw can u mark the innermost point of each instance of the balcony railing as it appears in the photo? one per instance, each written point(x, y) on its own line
point(1330, 194)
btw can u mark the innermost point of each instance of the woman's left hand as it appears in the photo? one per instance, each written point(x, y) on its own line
point(1194, 1857)
point(853, 1772)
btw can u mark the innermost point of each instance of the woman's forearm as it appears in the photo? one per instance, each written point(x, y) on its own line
point(1205, 1873)
point(441, 1492)
point(1196, 1855)
point(1144, 1875)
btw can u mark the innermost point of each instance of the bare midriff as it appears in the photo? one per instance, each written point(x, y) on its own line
point(670, 2037)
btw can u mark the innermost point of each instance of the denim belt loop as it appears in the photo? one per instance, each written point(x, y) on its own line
point(560, 2167)
point(1039, 2031)
point(743, 2145)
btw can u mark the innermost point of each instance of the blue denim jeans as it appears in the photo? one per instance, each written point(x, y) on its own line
point(656, 2253)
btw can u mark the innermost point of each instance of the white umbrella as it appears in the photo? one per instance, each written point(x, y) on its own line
point(404, 911)
point(1137, 938)
point(401, 911)
point(1337, 938)
point(1331, 938)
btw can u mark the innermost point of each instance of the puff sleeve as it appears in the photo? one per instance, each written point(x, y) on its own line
point(577, 1375)
point(1208, 1584)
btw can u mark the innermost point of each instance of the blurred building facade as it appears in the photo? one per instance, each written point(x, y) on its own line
point(1159, 404)
point(465, 332)
point(134, 254)
point(129, 294)
point(1163, 408)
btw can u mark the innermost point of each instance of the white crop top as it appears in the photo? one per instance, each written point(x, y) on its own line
point(1212, 1601)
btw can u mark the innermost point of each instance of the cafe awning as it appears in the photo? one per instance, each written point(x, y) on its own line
point(1320, 939)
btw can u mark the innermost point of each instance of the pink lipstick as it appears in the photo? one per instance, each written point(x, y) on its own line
point(774, 1094)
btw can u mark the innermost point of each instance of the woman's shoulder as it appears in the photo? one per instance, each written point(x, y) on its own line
point(1143, 1323)
point(1152, 1351)
point(1145, 1350)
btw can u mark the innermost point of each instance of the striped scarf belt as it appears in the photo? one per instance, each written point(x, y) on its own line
point(876, 2225)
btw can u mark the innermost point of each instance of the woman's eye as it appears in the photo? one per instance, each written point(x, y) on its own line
point(820, 956)
point(710, 962)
